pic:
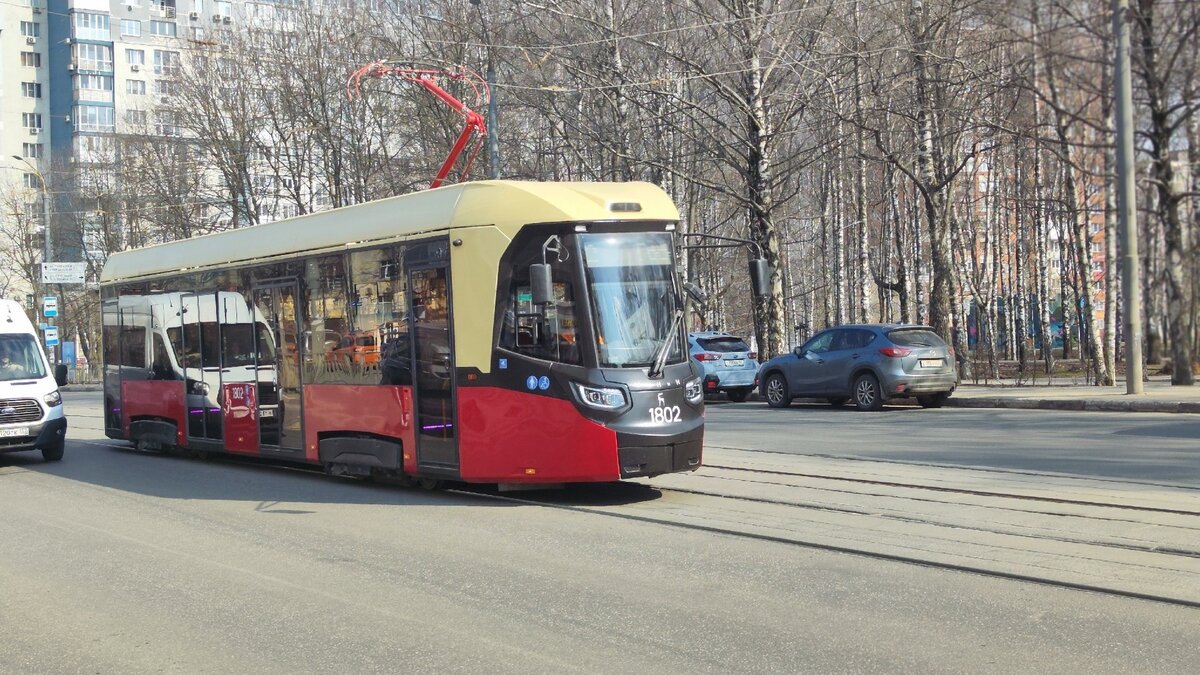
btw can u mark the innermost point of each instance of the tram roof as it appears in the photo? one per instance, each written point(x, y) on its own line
point(507, 205)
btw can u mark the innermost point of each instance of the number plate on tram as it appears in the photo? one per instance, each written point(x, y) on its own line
point(266, 412)
point(14, 432)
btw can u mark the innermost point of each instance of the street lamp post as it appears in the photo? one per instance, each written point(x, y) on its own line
point(46, 249)
point(493, 140)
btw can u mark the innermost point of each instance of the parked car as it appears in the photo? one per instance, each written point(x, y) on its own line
point(729, 365)
point(868, 363)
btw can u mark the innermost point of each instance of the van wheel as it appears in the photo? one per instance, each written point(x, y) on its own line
point(866, 393)
point(53, 453)
point(738, 395)
point(776, 390)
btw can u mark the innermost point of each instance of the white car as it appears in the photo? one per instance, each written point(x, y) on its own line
point(31, 410)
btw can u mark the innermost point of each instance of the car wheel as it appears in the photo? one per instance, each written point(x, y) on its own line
point(53, 453)
point(776, 390)
point(933, 400)
point(837, 401)
point(866, 393)
point(739, 395)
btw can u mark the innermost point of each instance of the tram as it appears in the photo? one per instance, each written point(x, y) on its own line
point(516, 333)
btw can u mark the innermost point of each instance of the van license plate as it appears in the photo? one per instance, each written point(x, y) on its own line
point(931, 363)
point(735, 363)
point(12, 433)
point(266, 412)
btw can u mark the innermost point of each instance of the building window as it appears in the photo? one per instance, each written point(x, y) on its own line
point(31, 150)
point(135, 87)
point(224, 7)
point(166, 63)
point(137, 117)
point(94, 118)
point(32, 182)
point(31, 59)
point(135, 57)
point(131, 27)
point(166, 87)
point(162, 28)
point(95, 82)
point(91, 26)
point(31, 89)
point(31, 120)
point(31, 29)
point(197, 33)
point(167, 124)
point(94, 57)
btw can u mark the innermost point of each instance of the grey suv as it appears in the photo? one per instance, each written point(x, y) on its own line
point(868, 363)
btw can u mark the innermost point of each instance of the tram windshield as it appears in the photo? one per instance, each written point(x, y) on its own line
point(632, 287)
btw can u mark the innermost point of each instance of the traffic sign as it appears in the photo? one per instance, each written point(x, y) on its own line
point(64, 272)
point(51, 336)
point(49, 306)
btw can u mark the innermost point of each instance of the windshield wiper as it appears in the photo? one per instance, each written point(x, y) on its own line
point(660, 357)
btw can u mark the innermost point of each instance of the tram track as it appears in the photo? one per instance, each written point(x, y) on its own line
point(848, 550)
point(698, 506)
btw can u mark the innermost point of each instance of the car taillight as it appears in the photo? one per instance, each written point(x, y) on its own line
point(752, 355)
point(895, 352)
point(708, 356)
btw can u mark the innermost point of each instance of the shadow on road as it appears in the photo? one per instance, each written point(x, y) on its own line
point(279, 488)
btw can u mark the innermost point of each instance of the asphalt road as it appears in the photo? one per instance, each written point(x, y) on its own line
point(115, 561)
point(1127, 446)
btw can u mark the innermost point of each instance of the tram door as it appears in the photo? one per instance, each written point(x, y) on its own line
point(433, 358)
point(278, 359)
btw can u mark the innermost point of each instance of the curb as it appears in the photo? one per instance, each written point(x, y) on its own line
point(1090, 405)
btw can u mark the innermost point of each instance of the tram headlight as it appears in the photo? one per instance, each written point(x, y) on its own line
point(694, 390)
point(604, 398)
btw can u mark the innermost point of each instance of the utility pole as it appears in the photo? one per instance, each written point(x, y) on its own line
point(493, 140)
point(1127, 201)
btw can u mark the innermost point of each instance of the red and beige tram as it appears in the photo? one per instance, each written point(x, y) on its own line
point(488, 332)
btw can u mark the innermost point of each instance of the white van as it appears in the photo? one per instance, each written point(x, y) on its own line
point(31, 410)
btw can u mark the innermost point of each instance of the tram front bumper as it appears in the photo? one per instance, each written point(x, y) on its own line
point(642, 456)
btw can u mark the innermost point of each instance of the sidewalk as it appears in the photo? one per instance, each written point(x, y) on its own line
point(1159, 396)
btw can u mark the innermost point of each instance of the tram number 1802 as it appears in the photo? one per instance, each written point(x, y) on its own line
point(665, 414)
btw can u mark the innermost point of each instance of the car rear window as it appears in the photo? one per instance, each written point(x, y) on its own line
point(723, 344)
point(916, 337)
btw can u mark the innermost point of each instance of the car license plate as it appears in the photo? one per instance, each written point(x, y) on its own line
point(267, 412)
point(735, 363)
point(931, 363)
point(12, 433)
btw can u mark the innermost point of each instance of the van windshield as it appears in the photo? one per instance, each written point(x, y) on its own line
point(20, 358)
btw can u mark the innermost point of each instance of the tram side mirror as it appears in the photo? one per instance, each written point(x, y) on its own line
point(760, 277)
point(540, 284)
point(696, 293)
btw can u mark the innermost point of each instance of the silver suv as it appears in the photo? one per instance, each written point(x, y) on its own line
point(868, 363)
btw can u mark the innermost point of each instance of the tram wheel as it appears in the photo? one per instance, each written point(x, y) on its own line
point(429, 483)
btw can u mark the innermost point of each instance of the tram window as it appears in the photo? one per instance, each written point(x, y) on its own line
point(160, 366)
point(323, 289)
point(370, 315)
point(112, 345)
point(133, 346)
point(549, 332)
